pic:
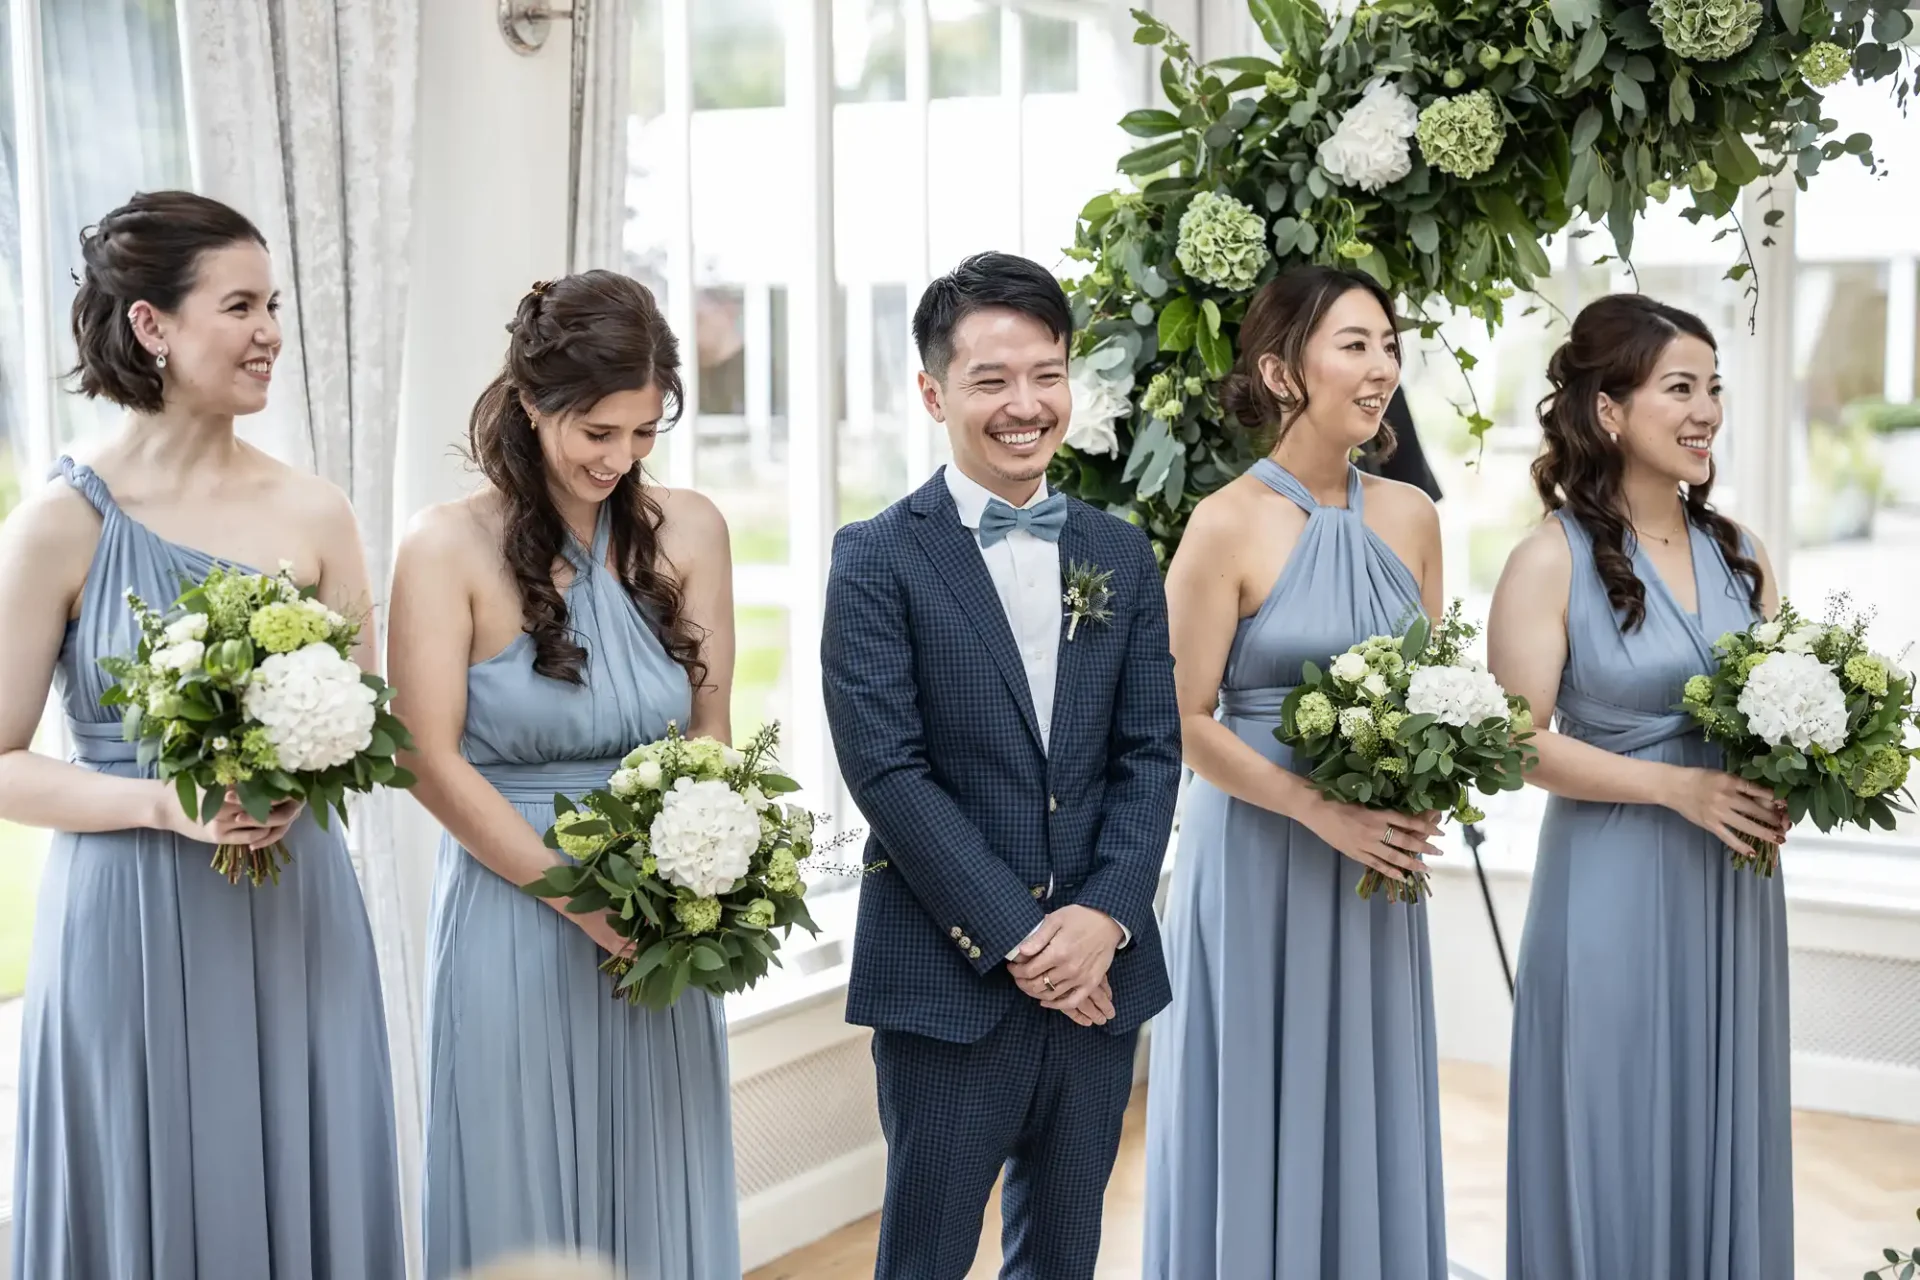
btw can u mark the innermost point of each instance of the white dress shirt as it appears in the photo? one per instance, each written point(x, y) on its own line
point(1025, 570)
point(1026, 576)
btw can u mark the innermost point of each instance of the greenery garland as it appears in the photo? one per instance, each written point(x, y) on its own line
point(1433, 146)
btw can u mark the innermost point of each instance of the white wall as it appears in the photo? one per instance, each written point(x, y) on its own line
point(490, 217)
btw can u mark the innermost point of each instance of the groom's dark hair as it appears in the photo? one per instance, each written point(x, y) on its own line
point(982, 281)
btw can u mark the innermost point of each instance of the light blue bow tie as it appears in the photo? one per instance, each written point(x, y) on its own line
point(1045, 519)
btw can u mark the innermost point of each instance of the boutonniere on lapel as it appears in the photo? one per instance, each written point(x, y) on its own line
point(1089, 596)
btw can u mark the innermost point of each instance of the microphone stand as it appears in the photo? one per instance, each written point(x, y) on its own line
point(1475, 837)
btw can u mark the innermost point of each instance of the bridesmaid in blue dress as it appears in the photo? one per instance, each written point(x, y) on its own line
point(204, 1085)
point(543, 627)
point(1293, 1125)
point(1649, 1127)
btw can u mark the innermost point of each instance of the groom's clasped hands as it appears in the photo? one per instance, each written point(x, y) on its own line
point(1063, 963)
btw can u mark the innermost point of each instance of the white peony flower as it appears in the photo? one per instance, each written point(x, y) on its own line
point(704, 836)
point(191, 627)
point(183, 656)
point(1458, 696)
point(647, 774)
point(1802, 639)
point(313, 706)
point(1369, 148)
point(1350, 667)
point(1098, 401)
point(1794, 697)
point(1767, 633)
point(1375, 684)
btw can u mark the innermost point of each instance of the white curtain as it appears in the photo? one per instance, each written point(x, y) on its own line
point(600, 207)
point(301, 114)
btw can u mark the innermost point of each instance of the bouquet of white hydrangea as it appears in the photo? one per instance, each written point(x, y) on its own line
point(246, 686)
point(1408, 723)
point(1807, 709)
point(696, 861)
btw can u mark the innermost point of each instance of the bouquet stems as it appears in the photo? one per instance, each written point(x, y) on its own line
point(1411, 889)
point(1764, 858)
point(258, 865)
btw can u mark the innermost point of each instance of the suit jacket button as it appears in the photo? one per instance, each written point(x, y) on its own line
point(966, 942)
point(1039, 891)
point(1052, 804)
point(955, 933)
point(973, 953)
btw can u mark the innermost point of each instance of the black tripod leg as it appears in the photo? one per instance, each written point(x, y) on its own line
point(1475, 838)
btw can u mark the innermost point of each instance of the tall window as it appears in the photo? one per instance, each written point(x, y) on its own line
point(106, 75)
point(956, 126)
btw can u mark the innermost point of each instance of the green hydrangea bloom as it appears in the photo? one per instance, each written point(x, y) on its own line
point(1390, 722)
point(1462, 136)
point(1706, 30)
point(649, 867)
point(227, 770)
point(783, 871)
point(1314, 716)
point(1282, 85)
point(759, 914)
point(1222, 242)
point(1392, 766)
point(1740, 670)
point(257, 749)
point(697, 915)
point(1884, 770)
point(282, 628)
point(1868, 672)
point(584, 846)
point(1824, 63)
point(1698, 689)
point(1162, 398)
point(705, 758)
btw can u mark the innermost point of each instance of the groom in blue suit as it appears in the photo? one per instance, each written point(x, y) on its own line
point(1016, 756)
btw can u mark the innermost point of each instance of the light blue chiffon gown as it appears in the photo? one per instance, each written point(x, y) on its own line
point(1649, 1124)
point(1293, 1117)
point(204, 1085)
point(558, 1117)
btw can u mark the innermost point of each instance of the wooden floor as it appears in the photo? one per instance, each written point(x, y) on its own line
point(1856, 1186)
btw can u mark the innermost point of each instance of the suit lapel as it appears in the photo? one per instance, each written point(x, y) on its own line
point(1075, 548)
point(955, 552)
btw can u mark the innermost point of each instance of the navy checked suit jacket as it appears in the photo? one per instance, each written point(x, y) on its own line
point(933, 722)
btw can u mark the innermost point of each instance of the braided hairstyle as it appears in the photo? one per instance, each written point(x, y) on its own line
point(1613, 349)
point(574, 342)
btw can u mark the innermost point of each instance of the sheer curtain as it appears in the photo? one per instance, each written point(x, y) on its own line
point(302, 114)
point(116, 124)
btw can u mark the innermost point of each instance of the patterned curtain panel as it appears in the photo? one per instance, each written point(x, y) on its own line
point(301, 114)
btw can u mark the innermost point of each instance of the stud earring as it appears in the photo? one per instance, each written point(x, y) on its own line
point(1614, 436)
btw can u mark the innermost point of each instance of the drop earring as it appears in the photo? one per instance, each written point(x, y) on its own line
point(160, 359)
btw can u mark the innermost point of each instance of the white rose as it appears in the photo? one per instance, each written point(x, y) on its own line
point(1802, 639)
point(1767, 633)
point(180, 657)
point(1375, 684)
point(624, 784)
point(756, 799)
point(1097, 403)
point(731, 758)
point(191, 627)
point(1350, 668)
point(647, 774)
point(1369, 147)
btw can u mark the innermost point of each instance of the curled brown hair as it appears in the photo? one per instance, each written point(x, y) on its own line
point(1613, 350)
point(148, 250)
point(575, 341)
point(1280, 322)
